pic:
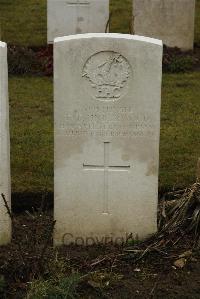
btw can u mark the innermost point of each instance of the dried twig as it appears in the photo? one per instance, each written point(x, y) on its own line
point(153, 289)
point(178, 218)
point(98, 262)
point(108, 23)
point(7, 206)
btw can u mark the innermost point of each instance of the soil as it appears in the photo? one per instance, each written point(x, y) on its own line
point(125, 275)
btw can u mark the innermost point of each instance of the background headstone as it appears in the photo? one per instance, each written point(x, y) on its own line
point(172, 21)
point(66, 17)
point(5, 223)
point(107, 128)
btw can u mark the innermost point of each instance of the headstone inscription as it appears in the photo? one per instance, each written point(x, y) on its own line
point(172, 21)
point(5, 223)
point(66, 17)
point(107, 125)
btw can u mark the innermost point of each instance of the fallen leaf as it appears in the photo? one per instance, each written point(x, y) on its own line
point(180, 263)
point(94, 284)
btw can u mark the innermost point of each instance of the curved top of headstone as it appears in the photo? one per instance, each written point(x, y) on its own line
point(109, 35)
point(2, 44)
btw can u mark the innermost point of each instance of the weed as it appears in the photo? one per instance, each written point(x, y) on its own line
point(63, 288)
point(180, 64)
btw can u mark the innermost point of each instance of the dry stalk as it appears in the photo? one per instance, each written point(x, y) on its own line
point(177, 218)
point(108, 23)
point(7, 206)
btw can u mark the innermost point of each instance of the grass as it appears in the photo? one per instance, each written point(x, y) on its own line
point(180, 118)
point(121, 16)
point(24, 22)
point(31, 105)
point(63, 287)
point(31, 122)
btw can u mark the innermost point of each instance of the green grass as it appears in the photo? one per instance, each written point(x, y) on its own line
point(31, 101)
point(121, 18)
point(180, 119)
point(24, 22)
point(62, 287)
point(31, 123)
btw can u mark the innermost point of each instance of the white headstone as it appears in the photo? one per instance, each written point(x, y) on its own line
point(66, 17)
point(5, 223)
point(172, 21)
point(107, 128)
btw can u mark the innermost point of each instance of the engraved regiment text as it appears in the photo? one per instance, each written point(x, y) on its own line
point(106, 121)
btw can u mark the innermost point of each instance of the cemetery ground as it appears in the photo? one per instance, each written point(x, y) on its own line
point(165, 266)
point(29, 266)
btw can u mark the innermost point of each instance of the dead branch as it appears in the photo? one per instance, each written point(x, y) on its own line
point(7, 206)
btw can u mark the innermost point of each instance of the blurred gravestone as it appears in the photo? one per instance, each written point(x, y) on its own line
point(107, 128)
point(172, 21)
point(66, 17)
point(5, 221)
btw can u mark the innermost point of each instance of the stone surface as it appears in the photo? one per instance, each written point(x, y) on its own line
point(5, 223)
point(66, 17)
point(172, 21)
point(107, 127)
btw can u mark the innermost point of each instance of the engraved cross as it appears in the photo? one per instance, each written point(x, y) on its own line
point(106, 168)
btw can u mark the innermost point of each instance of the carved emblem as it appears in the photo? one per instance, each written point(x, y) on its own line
point(108, 74)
